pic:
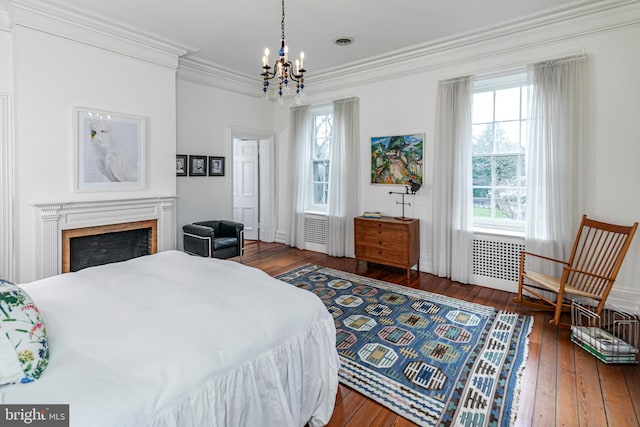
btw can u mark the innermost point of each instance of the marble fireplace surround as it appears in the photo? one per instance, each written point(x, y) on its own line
point(53, 218)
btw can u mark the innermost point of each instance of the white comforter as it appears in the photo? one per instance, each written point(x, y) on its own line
point(177, 340)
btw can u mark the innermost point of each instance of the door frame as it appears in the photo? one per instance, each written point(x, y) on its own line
point(266, 180)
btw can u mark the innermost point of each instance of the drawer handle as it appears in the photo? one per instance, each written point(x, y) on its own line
point(379, 243)
point(379, 252)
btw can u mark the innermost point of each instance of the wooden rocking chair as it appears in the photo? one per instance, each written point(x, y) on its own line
point(590, 272)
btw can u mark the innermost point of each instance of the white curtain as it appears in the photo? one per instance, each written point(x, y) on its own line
point(555, 190)
point(452, 231)
point(300, 154)
point(343, 177)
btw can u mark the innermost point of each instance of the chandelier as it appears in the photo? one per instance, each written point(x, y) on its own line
point(283, 70)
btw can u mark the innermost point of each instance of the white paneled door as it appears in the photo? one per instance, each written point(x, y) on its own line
point(246, 188)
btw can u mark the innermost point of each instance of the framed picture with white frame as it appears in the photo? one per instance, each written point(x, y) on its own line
point(109, 151)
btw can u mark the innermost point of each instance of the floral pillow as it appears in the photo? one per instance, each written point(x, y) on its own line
point(24, 349)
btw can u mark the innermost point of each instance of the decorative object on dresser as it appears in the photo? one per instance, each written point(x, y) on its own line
point(371, 214)
point(388, 241)
point(409, 189)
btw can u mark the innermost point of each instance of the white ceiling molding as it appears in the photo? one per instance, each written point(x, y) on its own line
point(66, 23)
point(210, 74)
point(564, 23)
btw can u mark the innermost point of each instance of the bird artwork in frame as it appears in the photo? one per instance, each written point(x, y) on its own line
point(109, 151)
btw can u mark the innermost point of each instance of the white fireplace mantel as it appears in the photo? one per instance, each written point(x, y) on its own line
point(55, 217)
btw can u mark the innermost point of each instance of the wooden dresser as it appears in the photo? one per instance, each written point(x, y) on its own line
point(388, 241)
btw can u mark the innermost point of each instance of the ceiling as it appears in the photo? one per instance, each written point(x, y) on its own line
point(234, 34)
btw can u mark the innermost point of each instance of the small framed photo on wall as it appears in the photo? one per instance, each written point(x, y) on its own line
point(197, 165)
point(216, 166)
point(181, 165)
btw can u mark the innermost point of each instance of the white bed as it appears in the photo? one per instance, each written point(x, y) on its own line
point(177, 340)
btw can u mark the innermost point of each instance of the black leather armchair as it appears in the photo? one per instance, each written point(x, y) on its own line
point(215, 239)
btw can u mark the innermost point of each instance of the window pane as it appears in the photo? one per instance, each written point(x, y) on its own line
point(507, 137)
point(322, 136)
point(323, 148)
point(481, 170)
point(321, 171)
point(482, 139)
point(482, 202)
point(506, 170)
point(506, 203)
point(320, 194)
point(482, 107)
point(508, 104)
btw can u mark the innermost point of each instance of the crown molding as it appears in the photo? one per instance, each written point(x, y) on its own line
point(54, 18)
point(210, 74)
point(570, 21)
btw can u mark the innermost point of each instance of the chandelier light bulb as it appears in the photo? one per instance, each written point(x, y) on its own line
point(301, 60)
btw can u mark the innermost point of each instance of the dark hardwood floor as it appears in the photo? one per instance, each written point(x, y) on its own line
point(562, 385)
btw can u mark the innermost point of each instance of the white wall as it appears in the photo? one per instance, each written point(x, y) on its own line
point(401, 99)
point(52, 76)
point(205, 113)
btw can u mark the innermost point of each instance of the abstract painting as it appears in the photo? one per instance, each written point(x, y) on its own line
point(397, 160)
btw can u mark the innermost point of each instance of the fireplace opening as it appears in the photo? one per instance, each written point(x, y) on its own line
point(91, 246)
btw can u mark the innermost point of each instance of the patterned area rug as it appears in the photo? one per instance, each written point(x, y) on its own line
point(432, 359)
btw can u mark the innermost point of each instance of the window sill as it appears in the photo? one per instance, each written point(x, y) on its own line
point(499, 232)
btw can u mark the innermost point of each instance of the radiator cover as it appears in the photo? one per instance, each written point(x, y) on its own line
point(497, 259)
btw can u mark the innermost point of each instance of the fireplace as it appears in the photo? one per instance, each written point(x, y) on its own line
point(86, 218)
point(90, 246)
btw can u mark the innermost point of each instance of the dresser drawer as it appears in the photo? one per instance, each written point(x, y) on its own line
point(381, 224)
point(384, 234)
point(381, 254)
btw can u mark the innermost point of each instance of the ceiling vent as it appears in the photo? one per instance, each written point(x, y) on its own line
point(343, 41)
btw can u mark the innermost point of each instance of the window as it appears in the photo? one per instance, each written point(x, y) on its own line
point(321, 136)
point(499, 138)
